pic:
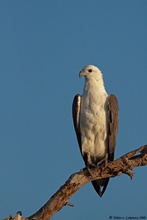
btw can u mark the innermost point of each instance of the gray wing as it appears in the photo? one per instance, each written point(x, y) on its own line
point(112, 125)
point(112, 114)
point(76, 107)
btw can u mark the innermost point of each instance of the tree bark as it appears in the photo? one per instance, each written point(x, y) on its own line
point(124, 164)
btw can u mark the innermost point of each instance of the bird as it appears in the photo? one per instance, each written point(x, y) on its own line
point(95, 119)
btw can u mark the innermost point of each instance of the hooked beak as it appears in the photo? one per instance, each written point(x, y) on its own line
point(81, 73)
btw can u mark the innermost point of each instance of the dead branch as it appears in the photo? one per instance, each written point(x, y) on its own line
point(124, 164)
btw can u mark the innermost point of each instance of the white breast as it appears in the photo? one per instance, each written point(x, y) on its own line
point(93, 122)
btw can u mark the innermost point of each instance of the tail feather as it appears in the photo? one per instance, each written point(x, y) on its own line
point(100, 185)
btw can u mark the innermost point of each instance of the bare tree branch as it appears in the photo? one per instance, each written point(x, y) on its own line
point(124, 164)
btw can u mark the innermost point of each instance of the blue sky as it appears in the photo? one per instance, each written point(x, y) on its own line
point(43, 46)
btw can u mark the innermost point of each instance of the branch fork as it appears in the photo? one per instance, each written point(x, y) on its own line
point(124, 164)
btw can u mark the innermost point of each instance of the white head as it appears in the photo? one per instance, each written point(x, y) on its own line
point(91, 71)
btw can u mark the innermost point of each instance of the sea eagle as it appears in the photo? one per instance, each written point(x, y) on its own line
point(95, 117)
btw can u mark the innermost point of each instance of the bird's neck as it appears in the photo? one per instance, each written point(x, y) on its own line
point(94, 84)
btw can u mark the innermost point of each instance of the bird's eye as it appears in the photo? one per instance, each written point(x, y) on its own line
point(90, 70)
